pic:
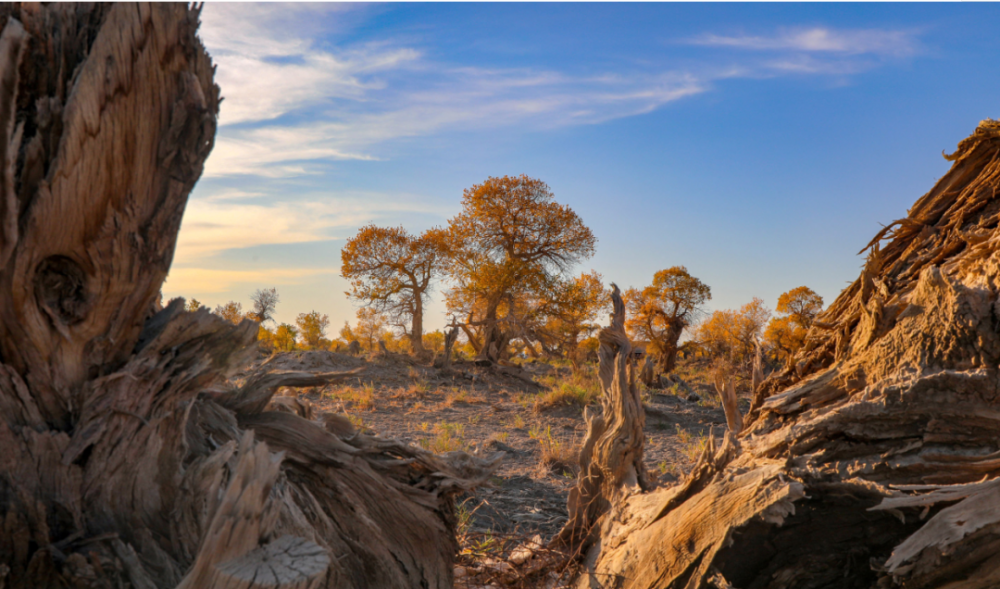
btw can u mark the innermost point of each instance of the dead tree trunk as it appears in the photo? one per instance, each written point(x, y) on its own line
point(444, 362)
point(611, 466)
point(127, 461)
point(873, 463)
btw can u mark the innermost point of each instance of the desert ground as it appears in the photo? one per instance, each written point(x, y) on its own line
point(531, 412)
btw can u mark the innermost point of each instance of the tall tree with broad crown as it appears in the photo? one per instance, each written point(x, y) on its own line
point(391, 271)
point(801, 304)
point(662, 311)
point(511, 239)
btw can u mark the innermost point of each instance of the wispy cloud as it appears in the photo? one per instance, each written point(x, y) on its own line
point(471, 100)
point(294, 102)
point(270, 64)
point(884, 42)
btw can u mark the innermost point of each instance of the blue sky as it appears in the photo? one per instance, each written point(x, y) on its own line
point(760, 145)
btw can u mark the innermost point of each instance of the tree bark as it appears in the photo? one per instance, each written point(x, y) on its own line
point(873, 463)
point(494, 339)
point(611, 465)
point(417, 326)
point(667, 358)
point(128, 460)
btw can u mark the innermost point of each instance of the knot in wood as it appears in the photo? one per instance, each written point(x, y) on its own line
point(61, 289)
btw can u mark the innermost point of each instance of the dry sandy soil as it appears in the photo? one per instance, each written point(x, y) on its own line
point(484, 410)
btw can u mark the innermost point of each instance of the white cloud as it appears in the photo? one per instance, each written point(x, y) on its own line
point(471, 99)
point(882, 42)
point(360, 98)
point(268, 65)
point(271, 62)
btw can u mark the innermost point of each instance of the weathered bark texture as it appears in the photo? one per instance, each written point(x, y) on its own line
point(128, 461)
point(727, 392)
point(611, 465)
point(647, 374)
point(875, 465)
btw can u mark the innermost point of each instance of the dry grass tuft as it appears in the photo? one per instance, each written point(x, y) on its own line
point(692, 446)
point(554, 456)
point(580, 388)
point(462, 397)
point(449, 438)
point(360, 398)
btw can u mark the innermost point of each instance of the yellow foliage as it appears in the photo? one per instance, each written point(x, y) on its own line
point(801, 305)
point(391, 271)
point(661, 312)
point(784, 337)
point(312, 329)
point(231, 312)
point(284, 337)
point(786, 334)
point(434, 341)
point(265, 337)
point(732, 334)
point(507, 251)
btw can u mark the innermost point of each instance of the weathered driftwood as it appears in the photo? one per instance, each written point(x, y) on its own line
point(647, 374)
point(127, 462)
point(872, 461)
point(611, 465)
point(726, 388)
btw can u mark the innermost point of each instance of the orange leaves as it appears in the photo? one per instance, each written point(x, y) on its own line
point(660, 312)
point(231, 312)
point(732, 333)
point(312, 329)
point(508, 250)
point(391, 272)
point(799, 307)
point(801, 304)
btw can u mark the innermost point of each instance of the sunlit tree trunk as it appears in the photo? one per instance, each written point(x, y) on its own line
point(417, 325)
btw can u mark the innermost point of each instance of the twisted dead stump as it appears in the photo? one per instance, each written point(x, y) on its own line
point(128, 461)
point(611, 466)
point(872, 461)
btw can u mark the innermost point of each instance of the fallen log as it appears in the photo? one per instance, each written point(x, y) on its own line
point(127, 461)
point(872, 461)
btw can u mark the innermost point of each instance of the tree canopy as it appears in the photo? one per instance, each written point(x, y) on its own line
point(661, 312)
point(801, 305)
point(312, 328)
point(231, 312)
point(733, 334)
point(391, 271)
point(510, 241)
point(265, 300)
point(787, 333)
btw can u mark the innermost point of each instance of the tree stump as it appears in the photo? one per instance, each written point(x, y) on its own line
point(872, 461)
point(128, 461)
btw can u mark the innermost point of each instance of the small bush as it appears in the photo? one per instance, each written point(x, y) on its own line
point(580, 388)
point(361, 399)
point(692, 446)
point(449, 438)
point(555, 456)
